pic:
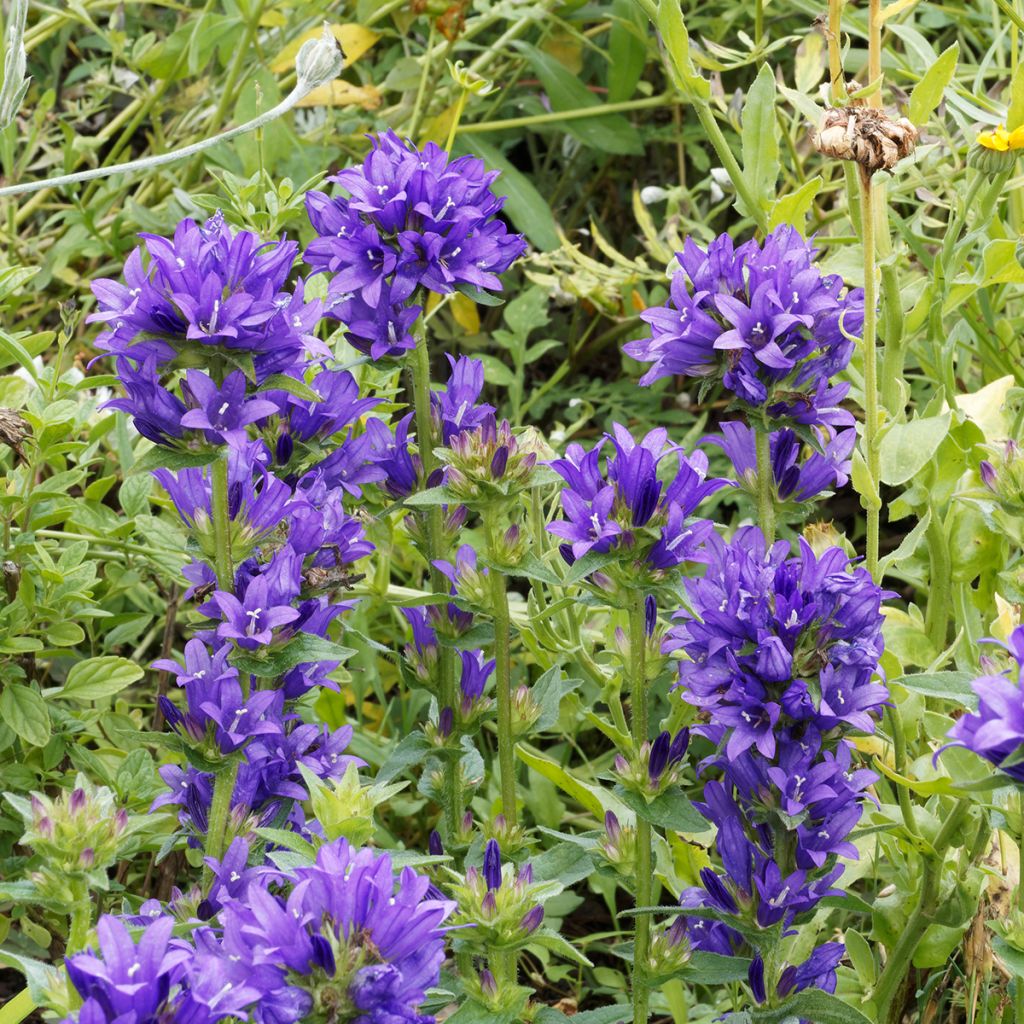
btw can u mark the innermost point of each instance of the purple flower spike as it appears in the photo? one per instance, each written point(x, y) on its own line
point(411, 220)
point(762, 320)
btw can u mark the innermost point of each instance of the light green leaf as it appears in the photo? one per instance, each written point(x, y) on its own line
point(907, 448)
point(793, 209)
point(760, 136)
point(1015, 108)
point(954, 686)
point(97, 678)
point(593, 798)
point(814, 1005)
point(688, 80)
point(927, 94)
point(23, 710)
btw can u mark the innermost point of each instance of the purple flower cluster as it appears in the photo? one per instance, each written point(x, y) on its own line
point(799, 472)
point(625, 507)
point(345, 931)
point(996, 731)
point(761, 319)
point(412, 221)
point(286, 430)
point(781, 654)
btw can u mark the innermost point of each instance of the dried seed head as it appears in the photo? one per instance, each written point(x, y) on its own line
point(13, 430)
point(865, 135)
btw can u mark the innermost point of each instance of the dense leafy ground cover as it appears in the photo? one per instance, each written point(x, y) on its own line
point(434, 593)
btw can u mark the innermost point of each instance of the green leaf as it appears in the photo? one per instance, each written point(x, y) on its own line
point(793, 209)
point(672, 810)
point(859, 951)
point(429, 498)
point(627, 50)
point(593, 798)
point(927, 94)
point(687, 78)
point(1015, 107)
point(525, 206)
point(954, 686)
point(300, 650)
point(23, 710)
point(65, 634)
point(529, 566)
point(558, 944)
point(906, 448)
point(814, 1005)
point(159, 457)
point(590, 562)
point(282, 382)
point(14, 352)
point(606, 133)
point(760, 136)
point(97, 678)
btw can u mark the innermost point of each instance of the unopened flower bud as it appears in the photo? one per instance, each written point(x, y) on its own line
point(319, 61)
point(532, 920)
point(488, 986)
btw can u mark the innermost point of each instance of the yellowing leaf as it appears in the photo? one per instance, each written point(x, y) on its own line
point(566, 49)
point(467, 316)
point(342, 94)
point(985, 407)
point(438, 127)
point(354, 40)
point(273, 19)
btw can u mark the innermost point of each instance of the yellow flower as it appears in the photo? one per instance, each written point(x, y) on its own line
point(1001, 140)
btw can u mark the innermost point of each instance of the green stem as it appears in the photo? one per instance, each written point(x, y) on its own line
point(419, 367)
point(939, 581)
point(15, 1010)
point(765, 484)
point(421, 92)
point(899, 757)
point(81, 916)
point(758, 26)
point(1018, 981)
point(898, 962)
point(508, 123)
point(220, 812)
point(221, 514)
point(872, 501)
point(729, 162)
point(502, 675)
point(644, 874)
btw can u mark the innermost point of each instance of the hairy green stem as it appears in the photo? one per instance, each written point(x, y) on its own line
point(502, 675)
point(419, 367)
point(17, 1009)
point(898, 963)
point(221, 514)
point(899, 757)
point(707, 119)
point(765, 484)
point(81, 915)
point(939, 581)
point(220, 813)
point(872, 501)
point(644, 873)
point(1018, 981)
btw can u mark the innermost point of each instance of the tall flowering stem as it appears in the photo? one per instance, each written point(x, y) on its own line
point(765, 484)
point(644, 874)
point(503, 677)
point(872, 501)
point(419, 368)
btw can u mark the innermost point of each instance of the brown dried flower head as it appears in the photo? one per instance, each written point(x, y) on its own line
point(13, 430)
point(866, 135)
